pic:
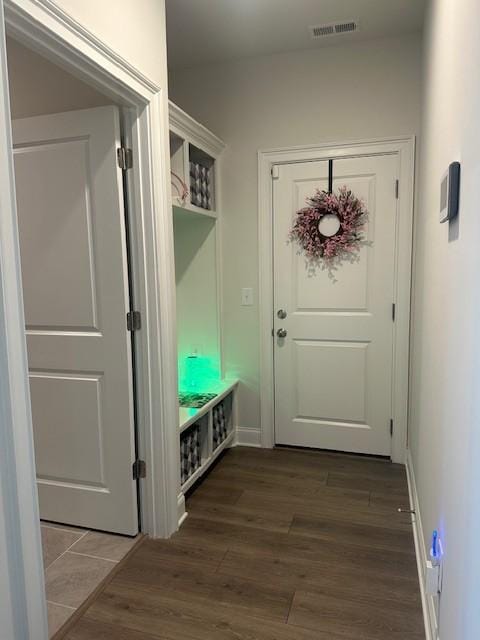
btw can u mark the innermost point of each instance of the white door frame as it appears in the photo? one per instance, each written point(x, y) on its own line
point(405, 149)
point(44, 27)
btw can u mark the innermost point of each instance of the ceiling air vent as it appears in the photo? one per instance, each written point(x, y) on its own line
point(322, 30)
point(332, 29)
point(345, 27)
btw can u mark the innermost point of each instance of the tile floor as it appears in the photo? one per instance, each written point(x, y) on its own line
point(76, 561)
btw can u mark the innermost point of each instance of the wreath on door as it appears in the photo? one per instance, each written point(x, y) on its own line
point(330, 227)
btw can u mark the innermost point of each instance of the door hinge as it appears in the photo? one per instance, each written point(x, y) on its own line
point(275, 172)
point(124, 158)
point(134, 320)
point(391, 426)
point(393, 311)
point(397, 188)
point(139, 469)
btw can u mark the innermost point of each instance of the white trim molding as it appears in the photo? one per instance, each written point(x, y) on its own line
point(186, 127)
point(23, 613)
point(182, 513)
point(248, 437)
point(428, 601)
point(43, 26)
point(405, 149)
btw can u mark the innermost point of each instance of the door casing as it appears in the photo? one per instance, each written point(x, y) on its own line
point(405, 148)
point(47, 29)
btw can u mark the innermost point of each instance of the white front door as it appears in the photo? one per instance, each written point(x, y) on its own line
point(75, 284)
point(333, 370)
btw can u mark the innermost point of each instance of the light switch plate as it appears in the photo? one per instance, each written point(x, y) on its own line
point(247, 297)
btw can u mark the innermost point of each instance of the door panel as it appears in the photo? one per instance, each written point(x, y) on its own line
point(346, 364)
point(77, 410)
point(349, 293)
point(333, 371)
point(75, 281)
point(58, 233)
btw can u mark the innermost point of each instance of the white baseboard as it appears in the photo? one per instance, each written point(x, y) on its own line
point(248, 437)
point(428, 603)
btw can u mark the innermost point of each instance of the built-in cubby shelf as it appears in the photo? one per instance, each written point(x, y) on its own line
point(215, 424)
point(180, 210)
point(204, 432)
point(188, 416)
point(194, 153)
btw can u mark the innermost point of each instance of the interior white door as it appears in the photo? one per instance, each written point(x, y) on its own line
point(333, 370)
point(75, 285)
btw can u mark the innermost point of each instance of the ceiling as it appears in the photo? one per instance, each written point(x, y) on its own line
point(211, 31)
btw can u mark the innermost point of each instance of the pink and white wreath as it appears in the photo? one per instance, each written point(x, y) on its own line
point(346, 241)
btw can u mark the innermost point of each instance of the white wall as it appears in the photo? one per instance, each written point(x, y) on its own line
point(445, 398)
point(195, 269)
point(134, 29)
point(38, 87)
point(365, 90)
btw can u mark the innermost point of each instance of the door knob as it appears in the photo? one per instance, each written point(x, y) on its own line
point(281, 333)
point(282, 314)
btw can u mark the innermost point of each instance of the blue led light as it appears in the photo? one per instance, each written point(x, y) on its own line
point(435, 544)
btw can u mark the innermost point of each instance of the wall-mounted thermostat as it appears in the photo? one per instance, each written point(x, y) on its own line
point(449, 192)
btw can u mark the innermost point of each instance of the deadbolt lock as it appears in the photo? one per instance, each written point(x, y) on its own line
point(282, 314)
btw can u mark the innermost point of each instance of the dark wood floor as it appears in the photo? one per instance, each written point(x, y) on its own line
point(278, 545)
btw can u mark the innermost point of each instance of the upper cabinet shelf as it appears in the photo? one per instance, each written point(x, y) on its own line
point(194, 153)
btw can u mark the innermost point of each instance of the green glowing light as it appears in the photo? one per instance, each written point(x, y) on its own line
point(198, 374)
